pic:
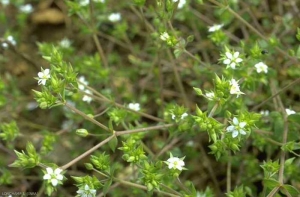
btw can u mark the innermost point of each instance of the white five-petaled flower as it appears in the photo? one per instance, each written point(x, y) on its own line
point(43, 76)
point(86, 192)
point(236, 128)
point(261, 67)
point(134, 106)
point(114, 17)
point(175, 163)
point(235, 88)
point(232, 59)
point(215, 28)
point(26, 8)
point(289, 111)
point(53, 175)
point(210, 95)
point(180, 4)
point(86, 97)
point(164, 36)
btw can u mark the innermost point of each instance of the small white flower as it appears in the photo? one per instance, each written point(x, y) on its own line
point(65, 43)
point(232, 59)
point(215, 28)
point(43, 76)
point(265, 112)
point(289, 111)
point(26, 8)
point(235, 88)
point(87, 192)
point(173, 117)
point(236, 128)
point(210, 95)
point(4, 2)
point(184, 115)
point(164, 36)
point(83, 2)
point(134, 106)
point(261, 67)
point(53, 176)
point(82, 80)
point(180, 4)
point(175, 163)
point(114, 17)
point(87, 98)
point(9, 39)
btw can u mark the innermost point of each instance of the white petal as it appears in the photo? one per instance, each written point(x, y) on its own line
point(58, 171)
point(230, 128)
point(238, 60)
point(46, 177)
point(235, 121)
point(86, 187)
point(229, 55)
point(54, 182)
point(59, 177)
point(235, 133)
point(49, 170)
point(232, 65)
point(46, 71)
point(227, 61)
point(236, 54)
point(242, 132)
point(242, 124)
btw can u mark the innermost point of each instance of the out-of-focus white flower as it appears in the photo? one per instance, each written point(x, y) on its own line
point(53, 175)
point(261, 67)
point(265, 112)
point(289, 111)
point(43, 76)
point(9, 39)
point(32, 105)
point(175, 163)
point(82, 80)
point(235, 88)
point(86, 192)
point(87, 98)
point(232, 59)
point(215, 27)
point(164, 36)
point(83, 2)
point(236, 128)
point(26, 8)
point(184, 115)
point(210, 95)
point(65, 43)
point(134, 106)
point(114, 17)
point(4, 2)
point(180, 4)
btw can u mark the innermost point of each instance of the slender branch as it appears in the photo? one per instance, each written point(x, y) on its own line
point(87, 152)
point(87, 117)
point(118, 133)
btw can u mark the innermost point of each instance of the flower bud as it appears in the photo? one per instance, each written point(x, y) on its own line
point(82, 132)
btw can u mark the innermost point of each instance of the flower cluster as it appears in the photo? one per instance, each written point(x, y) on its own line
point(9, 39)
point(261, 67)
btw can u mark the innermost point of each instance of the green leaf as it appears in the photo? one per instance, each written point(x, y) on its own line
point(271, 183)
point(107, 186)
point(113, 143)
point(294, 118)
point(298, 34)
point(290, 189)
